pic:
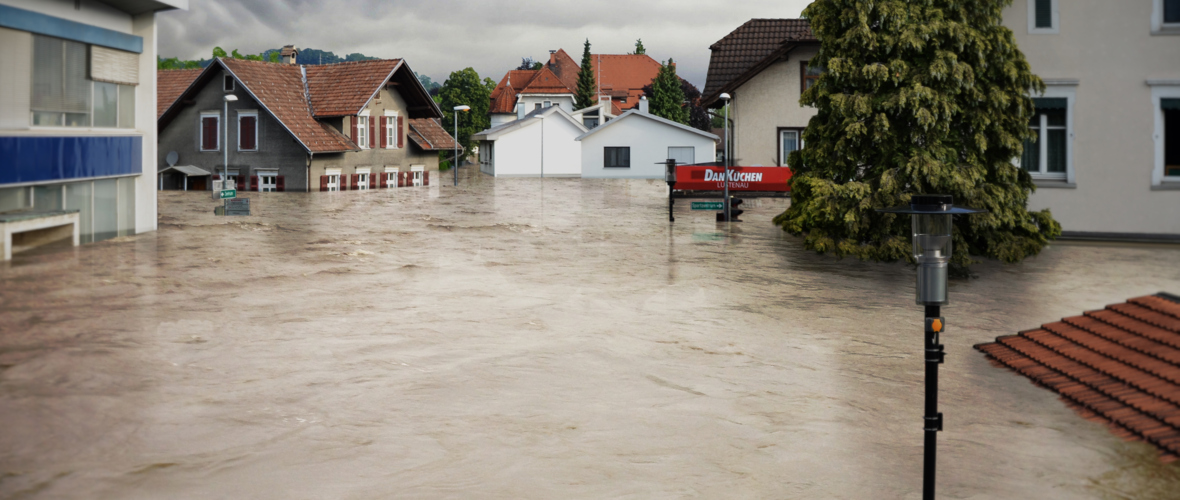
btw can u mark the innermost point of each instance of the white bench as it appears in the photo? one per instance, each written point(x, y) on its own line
point(21, 231)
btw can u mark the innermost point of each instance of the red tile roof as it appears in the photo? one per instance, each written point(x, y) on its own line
point(170, 83)
point(629, 73)
point(545, 82)
point(343, 89)
point(1119, 366)
point(621, 75)
point(747, 49)
point(279, 88)
point(429, 134)
point(504, 101)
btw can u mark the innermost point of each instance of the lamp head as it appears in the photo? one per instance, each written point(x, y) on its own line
point(463, 107)
point(932, 225)
point(231, 98)
point(724, 97)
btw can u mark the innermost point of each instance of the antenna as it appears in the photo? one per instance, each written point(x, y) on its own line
point(171, 158)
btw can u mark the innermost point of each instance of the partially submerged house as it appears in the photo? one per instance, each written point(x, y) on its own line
point(541, 143)
point(635, 145)
point(352, 125)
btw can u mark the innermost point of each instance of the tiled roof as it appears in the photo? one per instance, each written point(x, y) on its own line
point(429, 134)
point(343, 89)
point(170, 83)
point(504, 102)
point(1119, 366)
point(545, 82)
point(630, 73)
point(744, 48)
point(622, 75)
point(279, 88)
point(566, 68)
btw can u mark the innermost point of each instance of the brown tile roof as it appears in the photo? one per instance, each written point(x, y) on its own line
point(1119, 366)
point(629, 73)
point(622, 75)
point(504, 101)
point(565, 67)
point(343, 89)
point(545, 82)
point(170, 83)
point(279, 88)
point(747, 48)
point(429, 134)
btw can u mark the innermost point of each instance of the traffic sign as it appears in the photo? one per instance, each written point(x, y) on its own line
point(707, 205)
point(229, 193)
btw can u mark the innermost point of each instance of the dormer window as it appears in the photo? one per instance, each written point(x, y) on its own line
point(227, 83)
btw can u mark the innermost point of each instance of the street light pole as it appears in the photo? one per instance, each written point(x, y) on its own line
point(725, 97)
point(225, 167)
point(455, 167)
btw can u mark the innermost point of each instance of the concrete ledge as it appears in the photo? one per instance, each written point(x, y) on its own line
point(1166, 186)
point(24, 230)
point(1120, 237)
point(1054, 184)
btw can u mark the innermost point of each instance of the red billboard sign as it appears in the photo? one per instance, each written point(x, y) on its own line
point(695, 178)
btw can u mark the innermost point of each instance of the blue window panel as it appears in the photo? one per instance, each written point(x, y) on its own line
point(45, 159)
point(35, 22)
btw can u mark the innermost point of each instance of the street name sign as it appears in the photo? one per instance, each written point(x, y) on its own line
point(229, 193)
point(707, 205)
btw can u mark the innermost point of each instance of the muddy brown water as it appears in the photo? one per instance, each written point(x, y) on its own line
point(529, 338)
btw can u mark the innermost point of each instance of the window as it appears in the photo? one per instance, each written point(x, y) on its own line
point(63, 96)
point(682, 155)
point(537, 106)
point(417, 171)
point(789, 140)
point(810, 75)
point(548, 104)
point(1043, 17)
point(248, 131)
point(268, 181)
point(391, 177)
point(227, 83)
point(1171, 112)
point(362, 174)
point(391, 131)
point(1045, 155)
point(362, 131)
point(1171, 11)
point(617, 158)
point(590, 122)
point(210, 131)
point(333, 182)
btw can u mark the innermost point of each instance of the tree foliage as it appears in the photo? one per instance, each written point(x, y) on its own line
point(465, 87)
point(917, 97)
point(584, 95)
point(667, 99)
point(527, 63)
point(698, 116)
point(639, 49)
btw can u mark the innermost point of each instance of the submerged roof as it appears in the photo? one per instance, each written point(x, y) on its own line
point(1119, 366)
point(749, 49)
point(640, 115)
point(429, 134)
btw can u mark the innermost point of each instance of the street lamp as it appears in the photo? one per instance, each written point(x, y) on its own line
point(725, 97)
point(455, 167)
point(670, 178)
point(228, 99)
point(932, 229)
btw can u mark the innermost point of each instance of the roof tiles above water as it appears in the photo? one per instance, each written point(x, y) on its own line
point(170, 84)
point(1119, 366)
point(429, 134)
point(747, 46)
point(343, 89)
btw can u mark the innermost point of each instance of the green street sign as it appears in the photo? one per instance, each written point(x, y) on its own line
point(707, 205)
point(229, 193)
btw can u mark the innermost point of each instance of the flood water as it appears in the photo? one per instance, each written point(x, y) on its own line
point(528, 338)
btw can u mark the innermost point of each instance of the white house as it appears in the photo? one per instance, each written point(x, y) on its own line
point(542, 143)
point(635, 145)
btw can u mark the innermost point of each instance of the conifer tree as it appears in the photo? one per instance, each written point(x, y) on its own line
point(639, 49)
point(917, 97)
point(667, 99)
point(584, 95)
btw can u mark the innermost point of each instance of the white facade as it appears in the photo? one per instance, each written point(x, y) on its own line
point(543, 143)
point(648, 141)
point(533, 102)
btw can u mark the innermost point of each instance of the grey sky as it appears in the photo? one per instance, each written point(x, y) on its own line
point(440, 36)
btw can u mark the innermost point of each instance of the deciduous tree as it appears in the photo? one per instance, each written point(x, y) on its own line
point(465, 87)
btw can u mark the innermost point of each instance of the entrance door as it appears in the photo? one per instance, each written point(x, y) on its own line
point(363, 183)
point(333, 183)
point(267, 181)
point(683, 156)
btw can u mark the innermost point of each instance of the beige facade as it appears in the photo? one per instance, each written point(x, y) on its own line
point(766, 106)
point(1113, 62)
point(386, 104)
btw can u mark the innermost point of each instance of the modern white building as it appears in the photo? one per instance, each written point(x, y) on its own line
point(78, 111)
point(636, 144)
point(542, 143)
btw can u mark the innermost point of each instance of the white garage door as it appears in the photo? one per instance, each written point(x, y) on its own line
point(683, 156)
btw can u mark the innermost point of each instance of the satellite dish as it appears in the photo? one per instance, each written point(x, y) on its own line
point(171, 158)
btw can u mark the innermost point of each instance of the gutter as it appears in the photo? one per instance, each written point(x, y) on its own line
point(1120, 237)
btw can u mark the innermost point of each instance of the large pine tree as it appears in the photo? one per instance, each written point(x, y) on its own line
point(584, 98)
point(667, 96)
point(917, 97)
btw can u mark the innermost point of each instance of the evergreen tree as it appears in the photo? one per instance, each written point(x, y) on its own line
point(917, 97)
point(667, 95)
point(585, 94)
point(639, 50)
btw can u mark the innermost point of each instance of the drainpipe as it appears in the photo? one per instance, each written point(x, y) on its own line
point(307, 176)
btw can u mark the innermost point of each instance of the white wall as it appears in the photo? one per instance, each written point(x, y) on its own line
point(498, 119)
point(145, 123)
point(518, 152)
point(768, 101)
point(91, 12)
point(566, 101)
point(649, 141)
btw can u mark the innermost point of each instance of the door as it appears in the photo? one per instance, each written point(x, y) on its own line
point(364, 181)
point(267, 181)
point(333, 183)
point(391, 179)
point(682, 155)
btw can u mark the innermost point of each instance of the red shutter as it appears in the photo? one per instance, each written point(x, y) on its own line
point(425, 178)
point(373, 181)
point(254, 183)
point(354, 120)
point(381, 181)
point(355, 181)
point(323, 183)
point(280, 184)
point(240, 183)
point(381, 130)
point(401, 180)
point(209, 133)
point(401, 134)
point(247, 126)
point(372, 132)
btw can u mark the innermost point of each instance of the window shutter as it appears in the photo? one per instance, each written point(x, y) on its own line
point(208, 133)
point(247, 126)
point(373, 181)
point(254, 183)
point(381, 131)
point(280, 184)
point(353, 120)
point(425, 178)
point(372, 133)
point(355, 181)
point(401, 143)
point(323, 182)
point(240, 183)
point(113, 66)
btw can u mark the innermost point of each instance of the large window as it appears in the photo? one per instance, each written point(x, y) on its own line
point(248, 131)
point(789, 140)
point(617, 158)
point(64, 96)
point(1045, 155)
point(809, 74)
point(1171, 112)
point(391, 131)
point(362, 131)
point(210, 131)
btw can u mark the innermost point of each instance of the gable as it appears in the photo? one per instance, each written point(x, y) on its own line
point(749, 49)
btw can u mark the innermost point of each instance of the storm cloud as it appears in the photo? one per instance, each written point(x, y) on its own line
point(437, 37)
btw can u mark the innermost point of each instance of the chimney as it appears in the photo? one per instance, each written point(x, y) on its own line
point(289, 54)
point(643, 104)
point(520, 112)
point(552, 57)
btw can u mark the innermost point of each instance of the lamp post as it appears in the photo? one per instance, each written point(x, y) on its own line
point(670, 178)
point(455, 167)
point(725, 97)
point(225, 176)
point(932, 230)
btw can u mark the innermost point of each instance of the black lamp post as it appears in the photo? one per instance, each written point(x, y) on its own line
point(670, 178)
point(931, 214)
